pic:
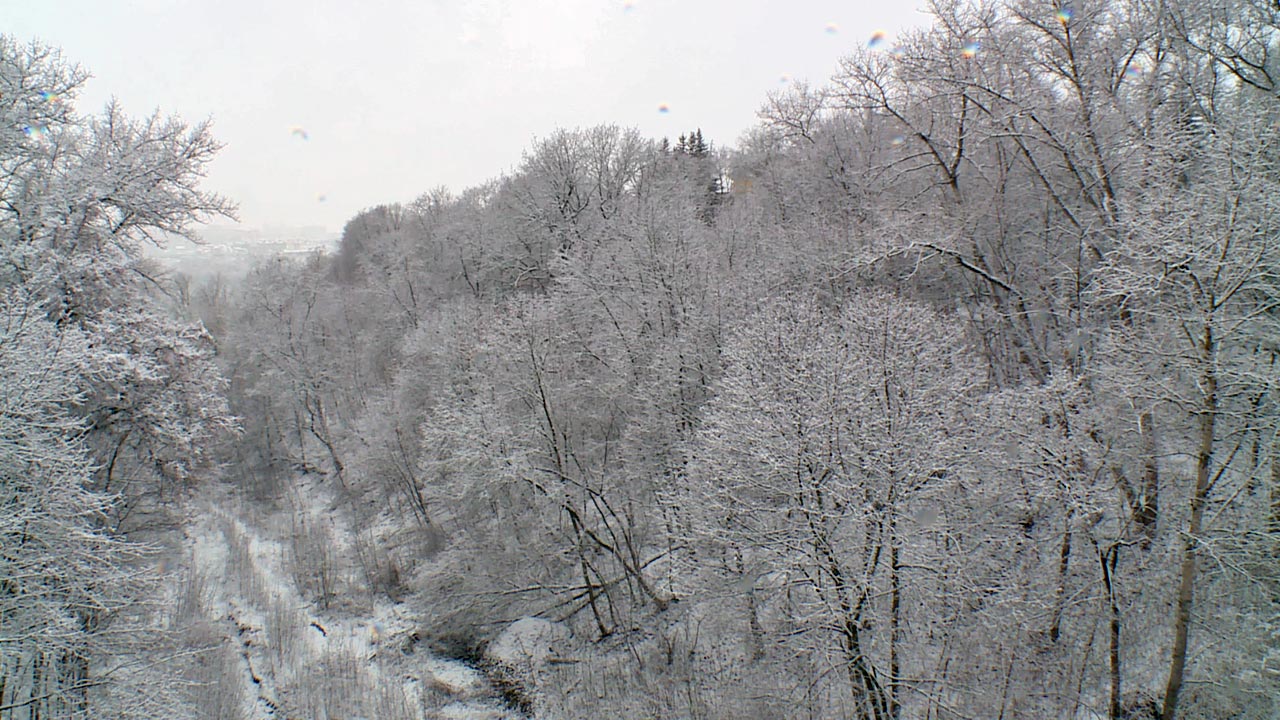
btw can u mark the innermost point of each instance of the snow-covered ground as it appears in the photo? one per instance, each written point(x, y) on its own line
point(295, 658)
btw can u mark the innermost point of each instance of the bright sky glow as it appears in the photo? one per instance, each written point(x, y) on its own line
point(330, 106)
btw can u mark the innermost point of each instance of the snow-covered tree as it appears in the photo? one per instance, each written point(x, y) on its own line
point(110, 407)
point(1196, 284)
point(831, 431)
point(81, 195)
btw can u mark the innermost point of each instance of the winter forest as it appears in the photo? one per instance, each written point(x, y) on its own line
point(949, 391)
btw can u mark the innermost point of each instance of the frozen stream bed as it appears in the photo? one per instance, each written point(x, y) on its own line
point(285, 656)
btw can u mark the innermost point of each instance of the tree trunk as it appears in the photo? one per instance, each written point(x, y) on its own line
point(895, 613)
point(1148, 511)
point(1273, 524)
point(37, 684)
point(869, 698)
point(1108, 561)
point(1060, 596)
point(319, 426)
point(1199, 496)
point(593, 592)
point(753, 624)
point(302, 440)
point(756, 632)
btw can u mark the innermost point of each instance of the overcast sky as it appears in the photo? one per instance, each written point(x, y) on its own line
point(397, 97)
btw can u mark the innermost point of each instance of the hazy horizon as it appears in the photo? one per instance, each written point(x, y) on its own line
point(396, 98)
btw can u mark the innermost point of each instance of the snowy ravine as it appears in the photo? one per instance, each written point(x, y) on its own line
point(273, 654)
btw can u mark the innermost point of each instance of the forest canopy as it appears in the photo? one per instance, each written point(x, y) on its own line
point(949, 391)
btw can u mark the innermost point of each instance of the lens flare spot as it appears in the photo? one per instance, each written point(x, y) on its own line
point(970, 49)
point(784, 78)
point(877, 39)
point(1063, 15)
point(49, 96)
point(897, 140)
point(35, 132)
point(321, 197)
point(832, 28)
point(299, 133)
point(628, 6)
point(927, 516)
point(1134, 69)
point(664, 108)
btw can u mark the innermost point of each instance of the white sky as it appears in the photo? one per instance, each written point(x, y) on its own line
point(399, 96)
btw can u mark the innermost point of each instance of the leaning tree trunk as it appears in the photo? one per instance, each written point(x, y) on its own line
point(870, 700)
point(1190, 543)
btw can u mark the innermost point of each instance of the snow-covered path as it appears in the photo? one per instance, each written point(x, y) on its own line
point(296, 659)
